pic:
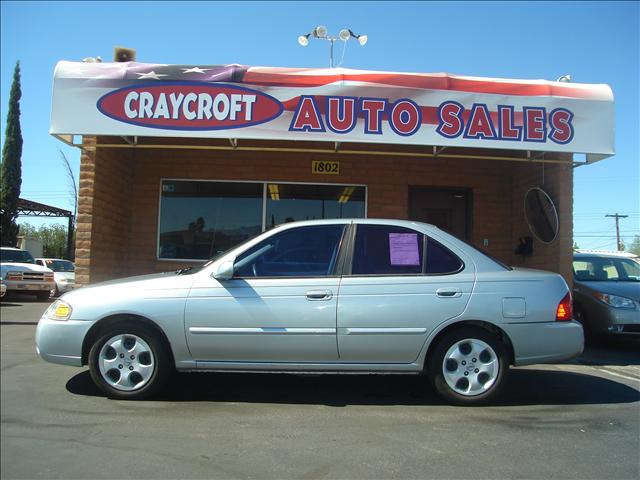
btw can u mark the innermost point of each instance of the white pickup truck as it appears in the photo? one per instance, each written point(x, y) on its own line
point(19, 272)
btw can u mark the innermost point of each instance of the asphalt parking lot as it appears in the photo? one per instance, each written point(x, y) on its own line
point(575, 420)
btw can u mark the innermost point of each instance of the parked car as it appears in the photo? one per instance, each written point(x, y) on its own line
point(64, 274)
point(3, 288)
point(21, 274)
point(606, 292)
point(366, 296)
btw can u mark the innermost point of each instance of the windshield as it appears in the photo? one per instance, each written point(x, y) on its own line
point(60, 265)
point(601, 269)
point(16, 256)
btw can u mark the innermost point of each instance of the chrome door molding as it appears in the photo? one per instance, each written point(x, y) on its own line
point(265, 330)
point(383, 331)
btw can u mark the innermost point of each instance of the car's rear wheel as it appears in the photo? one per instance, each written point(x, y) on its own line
point(129, 361)
point(468, 366)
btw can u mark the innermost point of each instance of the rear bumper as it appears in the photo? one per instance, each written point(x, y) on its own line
point(545, 342)
point(61, 342)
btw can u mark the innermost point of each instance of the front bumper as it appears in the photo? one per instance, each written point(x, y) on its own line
point(602, 318)
point(61, 341)
point(29, 286)
point(65, 287)
point(545, 342)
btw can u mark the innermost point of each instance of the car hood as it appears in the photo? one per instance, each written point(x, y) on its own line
point(132, 280)
point(143, 286)
point(622, 289)
point(22, 267)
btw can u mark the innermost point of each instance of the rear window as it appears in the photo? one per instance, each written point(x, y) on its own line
point(441, 260)
point(391, 250)
point(387, 250)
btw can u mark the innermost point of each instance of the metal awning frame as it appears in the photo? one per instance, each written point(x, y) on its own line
point(333, 149)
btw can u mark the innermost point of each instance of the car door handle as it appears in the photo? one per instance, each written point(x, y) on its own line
point(448, 292)
point(319, 294)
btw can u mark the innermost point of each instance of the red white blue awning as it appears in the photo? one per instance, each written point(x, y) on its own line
point(337, 105)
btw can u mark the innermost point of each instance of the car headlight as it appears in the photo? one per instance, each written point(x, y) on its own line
point(58, 310)
point(615, 301)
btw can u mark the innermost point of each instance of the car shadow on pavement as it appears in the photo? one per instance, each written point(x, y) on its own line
point(611, 351)
point(6, 304)
point(524, 387)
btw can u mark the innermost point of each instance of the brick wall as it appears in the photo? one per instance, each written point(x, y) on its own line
point(117, 228)
point(103, 241)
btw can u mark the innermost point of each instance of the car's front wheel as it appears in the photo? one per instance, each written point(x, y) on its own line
point(129, 361)
point(468, 366)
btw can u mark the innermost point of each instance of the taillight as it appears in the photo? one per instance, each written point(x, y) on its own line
point(14, 276)
point(564, 312)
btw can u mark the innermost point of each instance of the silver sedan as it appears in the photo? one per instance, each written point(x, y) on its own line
point(329, 296)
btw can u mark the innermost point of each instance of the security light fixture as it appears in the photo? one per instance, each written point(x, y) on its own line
point(344, 34)
point(303, 40)
point(362, 39)
point(320, 32)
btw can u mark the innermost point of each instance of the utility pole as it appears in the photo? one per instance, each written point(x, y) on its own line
point(617, 217)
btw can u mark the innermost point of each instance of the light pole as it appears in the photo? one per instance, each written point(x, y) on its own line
point(320, 32)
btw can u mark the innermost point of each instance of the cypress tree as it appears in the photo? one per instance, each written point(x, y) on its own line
point(11, 169)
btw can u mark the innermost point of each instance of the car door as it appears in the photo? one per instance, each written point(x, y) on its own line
point(280, 305)
point(399, 287)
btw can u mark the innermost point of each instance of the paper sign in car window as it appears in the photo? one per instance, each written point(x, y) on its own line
point(403, 249)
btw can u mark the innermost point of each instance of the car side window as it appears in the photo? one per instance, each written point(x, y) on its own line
point(387, 250)
point(299, 252)
point(441, 260)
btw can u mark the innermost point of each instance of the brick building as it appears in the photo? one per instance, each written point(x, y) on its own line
point(158, 193)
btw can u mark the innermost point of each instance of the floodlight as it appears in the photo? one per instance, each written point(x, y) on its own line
point(304, 39)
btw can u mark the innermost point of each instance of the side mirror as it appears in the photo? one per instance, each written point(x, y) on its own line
point(224, 271)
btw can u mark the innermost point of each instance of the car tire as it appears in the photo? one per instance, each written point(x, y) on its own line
point(468, 366)
point(43, 295)
point(591, 337)
point(129, 361)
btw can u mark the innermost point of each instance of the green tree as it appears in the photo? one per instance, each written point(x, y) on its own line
point(635, 245)
point(53, 238)
point(576, 246)
point(11, 169)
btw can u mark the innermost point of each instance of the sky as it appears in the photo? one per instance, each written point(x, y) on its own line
point(594, 42)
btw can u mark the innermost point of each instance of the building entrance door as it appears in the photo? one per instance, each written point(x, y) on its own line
point(447, 208)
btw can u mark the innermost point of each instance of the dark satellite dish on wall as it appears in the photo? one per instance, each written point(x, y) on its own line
point(541, 215)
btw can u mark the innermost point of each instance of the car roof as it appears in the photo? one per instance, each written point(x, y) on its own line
point(602, 254)
point(372, 221)
point(12, 248)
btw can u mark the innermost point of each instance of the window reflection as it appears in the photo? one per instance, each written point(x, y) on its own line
point(294, 202)
point(198, 220)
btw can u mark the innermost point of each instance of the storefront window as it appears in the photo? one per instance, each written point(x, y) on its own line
point(199, 219)
point(293, 202)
